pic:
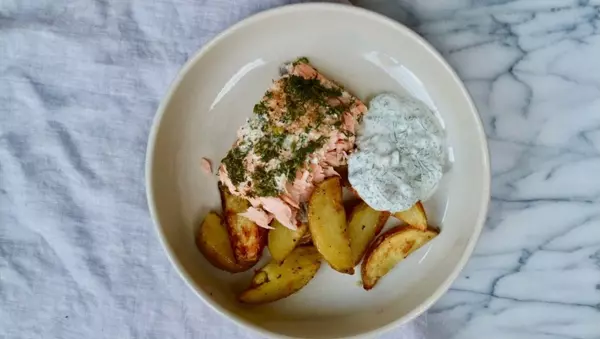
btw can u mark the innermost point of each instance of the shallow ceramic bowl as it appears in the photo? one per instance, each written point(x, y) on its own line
point(214, 94)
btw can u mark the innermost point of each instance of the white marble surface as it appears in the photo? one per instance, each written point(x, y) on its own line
point(533, 68)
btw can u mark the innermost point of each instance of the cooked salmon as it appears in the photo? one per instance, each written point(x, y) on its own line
point(300, 131)
point(206, 165)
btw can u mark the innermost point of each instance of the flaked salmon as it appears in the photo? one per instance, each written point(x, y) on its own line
point(206, 165)
point(300, 131)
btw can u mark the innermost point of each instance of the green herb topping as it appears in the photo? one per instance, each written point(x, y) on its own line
point(301, 96)
point(264, 182)
point(269, 146)
point(294, 110)
point(301, 60)
point(234, 162)
point(291, 166)
point(261, 108)
point(302, 90)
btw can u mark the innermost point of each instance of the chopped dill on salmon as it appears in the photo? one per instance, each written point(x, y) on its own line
point(301, 129)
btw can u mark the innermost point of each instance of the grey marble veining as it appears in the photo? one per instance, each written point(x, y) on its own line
point(533, 69)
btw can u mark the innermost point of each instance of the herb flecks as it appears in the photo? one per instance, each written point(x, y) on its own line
point(234, 163)
point(279, 134)
point(261, 108)
point(308, 91)
point(360, 118)
point(301, 60)
point(264, 182)
point(337, 110)
point(319, 120)
point(311, 89)
point(269, 146)
point(294, 110)
point(291, 166)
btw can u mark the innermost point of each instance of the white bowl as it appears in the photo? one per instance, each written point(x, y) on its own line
point(215, 93)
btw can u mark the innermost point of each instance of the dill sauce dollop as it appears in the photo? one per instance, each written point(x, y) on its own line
point(401, 153)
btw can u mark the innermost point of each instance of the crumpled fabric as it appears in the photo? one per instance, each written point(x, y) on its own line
point(79, 85)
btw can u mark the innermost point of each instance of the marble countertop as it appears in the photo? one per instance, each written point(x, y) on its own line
point(533, 69)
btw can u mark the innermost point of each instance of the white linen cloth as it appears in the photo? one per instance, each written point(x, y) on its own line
point(79, 85)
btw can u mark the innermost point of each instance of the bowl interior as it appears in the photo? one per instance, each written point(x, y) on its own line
point(215, 93)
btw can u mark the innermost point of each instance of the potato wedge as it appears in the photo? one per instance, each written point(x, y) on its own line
point(327, 224)
point(389, 249)
point(213, 242)
point(247, 239)
point(279, 280)
point(414, 216)
point(283, 240)
point(364, 225)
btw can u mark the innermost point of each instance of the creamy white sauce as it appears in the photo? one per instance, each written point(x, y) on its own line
point(251, 132)
point(401, 153)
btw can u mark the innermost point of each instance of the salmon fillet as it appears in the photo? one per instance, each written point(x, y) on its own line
point(300, 131)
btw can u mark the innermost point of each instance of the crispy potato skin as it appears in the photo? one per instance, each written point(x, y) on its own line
point(389, 249)
point(414, 216)
point(247, 239)
point(364, 225)
point(213, 242)
point(278, 280)
point(283, 240)
point(327, 224)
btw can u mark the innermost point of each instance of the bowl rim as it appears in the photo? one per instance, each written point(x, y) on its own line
point(156, 122)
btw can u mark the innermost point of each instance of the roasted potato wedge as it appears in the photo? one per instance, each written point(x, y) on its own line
point(327, 224)
point(213, 241)
point(389, 249)
point(283, 240)
point(247, 239)
point(364, 225)
point(414, 216)
point(279, 280)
